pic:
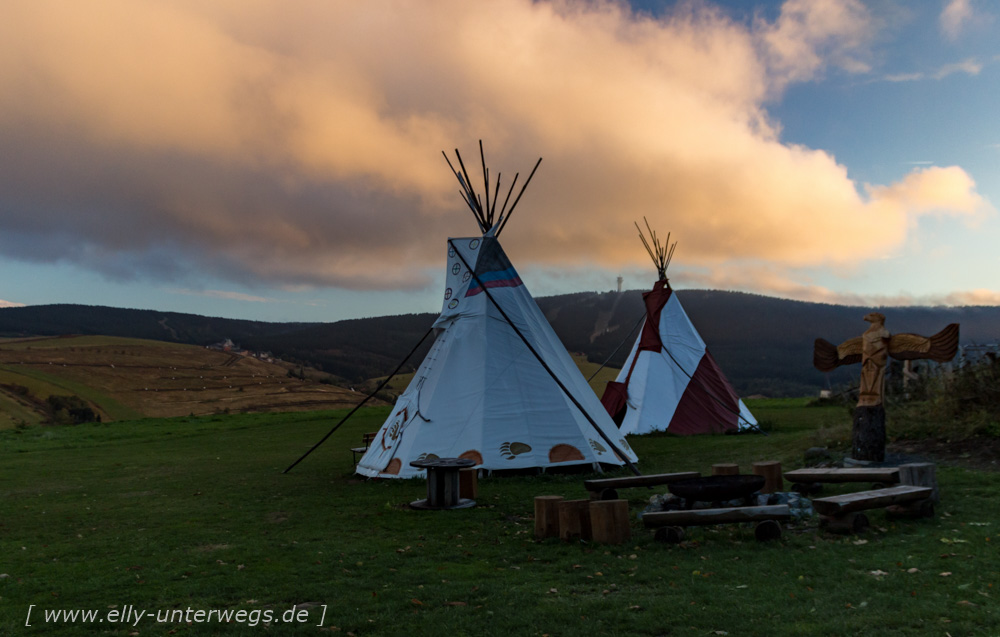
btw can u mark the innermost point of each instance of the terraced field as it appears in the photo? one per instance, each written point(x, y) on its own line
point(123, 378)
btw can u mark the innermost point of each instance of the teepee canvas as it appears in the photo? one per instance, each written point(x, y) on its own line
point(497, 386)
point(670, 381)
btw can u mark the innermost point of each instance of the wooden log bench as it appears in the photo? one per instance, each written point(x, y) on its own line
point(670, 525)
point(843, 513)
point(810, 480)
point(606, 488)
point(366, 440)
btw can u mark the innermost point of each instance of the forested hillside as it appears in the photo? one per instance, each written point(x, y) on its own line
point(763, 344)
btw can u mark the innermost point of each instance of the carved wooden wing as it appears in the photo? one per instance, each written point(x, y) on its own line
point(941, 347)
point(827, 356)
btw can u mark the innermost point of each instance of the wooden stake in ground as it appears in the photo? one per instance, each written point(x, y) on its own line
point(872, 350)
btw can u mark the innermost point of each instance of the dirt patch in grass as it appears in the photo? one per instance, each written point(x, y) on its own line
point(979, 453)
point(208, 548)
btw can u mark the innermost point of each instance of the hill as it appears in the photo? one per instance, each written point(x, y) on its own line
point(82, 378)
point(763, 344)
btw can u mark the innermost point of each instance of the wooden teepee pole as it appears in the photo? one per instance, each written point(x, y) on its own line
point(485, 211)
point(660, 253)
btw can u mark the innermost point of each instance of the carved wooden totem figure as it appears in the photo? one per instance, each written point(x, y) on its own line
point(872, 350)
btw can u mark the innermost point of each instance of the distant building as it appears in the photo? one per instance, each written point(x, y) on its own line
point(223, 346)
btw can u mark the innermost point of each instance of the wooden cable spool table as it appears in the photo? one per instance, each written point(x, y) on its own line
point(443, 490)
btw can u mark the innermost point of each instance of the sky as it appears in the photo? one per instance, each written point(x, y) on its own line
point(281, 161)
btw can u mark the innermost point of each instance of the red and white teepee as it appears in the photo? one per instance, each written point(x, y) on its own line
point(670, 381)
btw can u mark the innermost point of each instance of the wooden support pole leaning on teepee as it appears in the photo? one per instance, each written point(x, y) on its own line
point(496, 197)
point(486, 180)
point(486, 290)
point(513, 205)
point(367, 398)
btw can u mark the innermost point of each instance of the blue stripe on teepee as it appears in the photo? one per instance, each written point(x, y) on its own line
point(501, 279)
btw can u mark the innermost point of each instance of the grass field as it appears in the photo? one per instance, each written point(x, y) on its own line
point(124, 379)
point(162, 516)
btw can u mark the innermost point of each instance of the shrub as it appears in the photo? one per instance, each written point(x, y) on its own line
point(71, 409)
point(961, 404)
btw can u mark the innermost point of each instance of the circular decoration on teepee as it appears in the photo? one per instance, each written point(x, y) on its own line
point(447, 294)
point(474, 244)
point(451, 251)
point(455, 269)
point(453, 304)
point(564, 453)
point(472, 455)
point(393, 467)
point(466, 276)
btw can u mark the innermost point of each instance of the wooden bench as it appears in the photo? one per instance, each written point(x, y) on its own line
point(366, 440)
point(669, 524)
point(809, 480)
point(606, 488)
point(843, 512)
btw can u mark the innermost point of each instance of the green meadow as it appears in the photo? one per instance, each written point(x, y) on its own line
point(190, 525)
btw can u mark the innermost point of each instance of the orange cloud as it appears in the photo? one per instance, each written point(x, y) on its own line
point(947, 190)
point(776, 281)
point(300, 145)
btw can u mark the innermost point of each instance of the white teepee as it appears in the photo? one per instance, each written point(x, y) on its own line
point(497, 385)
point(670, 381)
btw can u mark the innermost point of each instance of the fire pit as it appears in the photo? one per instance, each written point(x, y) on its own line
point(716, 488)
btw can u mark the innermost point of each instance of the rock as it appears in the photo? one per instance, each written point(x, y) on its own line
point(663, 502)
point(816, 455)
point(799, 506)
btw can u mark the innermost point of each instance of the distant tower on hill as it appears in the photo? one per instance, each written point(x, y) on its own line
point(620, 284)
